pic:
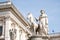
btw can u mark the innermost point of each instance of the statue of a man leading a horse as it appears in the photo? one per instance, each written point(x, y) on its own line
point(40, 25)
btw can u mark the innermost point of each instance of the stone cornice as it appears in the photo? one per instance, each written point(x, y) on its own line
point(8, 5)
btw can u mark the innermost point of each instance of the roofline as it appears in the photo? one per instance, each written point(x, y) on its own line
point(8, 4)
point(54, 33)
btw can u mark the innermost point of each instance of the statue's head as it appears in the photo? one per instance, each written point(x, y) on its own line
point(42, 11)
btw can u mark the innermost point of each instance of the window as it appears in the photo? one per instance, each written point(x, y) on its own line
point(0, 30)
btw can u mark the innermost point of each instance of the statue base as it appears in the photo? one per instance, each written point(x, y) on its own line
point(39, 37)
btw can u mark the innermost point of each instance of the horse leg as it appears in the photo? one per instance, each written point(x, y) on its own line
point(34, 30)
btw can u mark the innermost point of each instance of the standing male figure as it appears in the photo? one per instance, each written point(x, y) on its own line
point(43, 22)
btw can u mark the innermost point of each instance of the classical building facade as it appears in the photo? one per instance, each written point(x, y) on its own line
point(13, 26)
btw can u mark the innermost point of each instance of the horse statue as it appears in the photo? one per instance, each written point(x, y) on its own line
point(32, 21)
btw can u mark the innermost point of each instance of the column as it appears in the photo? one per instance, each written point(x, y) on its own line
point(7, 26)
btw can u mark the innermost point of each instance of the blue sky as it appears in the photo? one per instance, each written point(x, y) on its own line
point(51, 7)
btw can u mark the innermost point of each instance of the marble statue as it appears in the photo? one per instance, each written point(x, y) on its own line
point(12, 34)
point(43, 22)
point(32, 21)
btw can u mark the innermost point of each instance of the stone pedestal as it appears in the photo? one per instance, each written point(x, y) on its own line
point(38, 37)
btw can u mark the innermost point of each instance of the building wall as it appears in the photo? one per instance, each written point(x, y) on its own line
point(12, 25)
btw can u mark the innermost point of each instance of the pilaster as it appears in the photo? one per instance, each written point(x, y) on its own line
point(7, 27)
